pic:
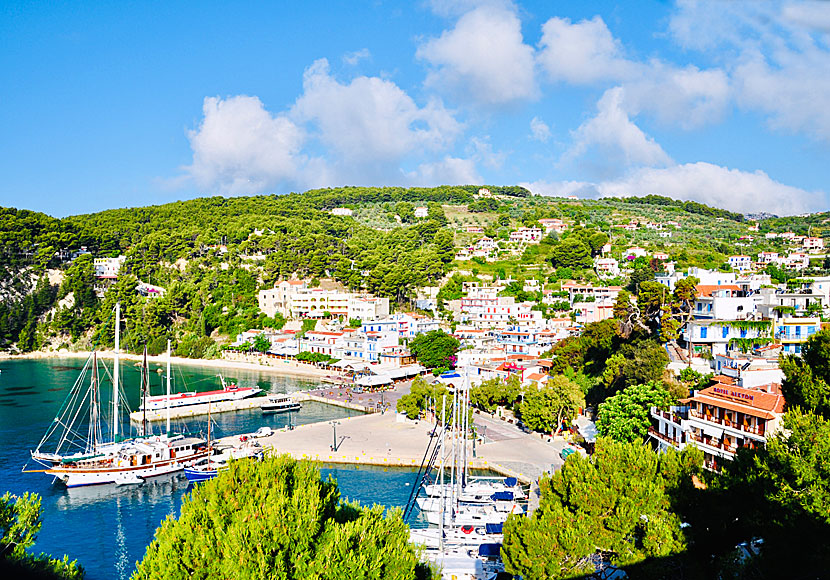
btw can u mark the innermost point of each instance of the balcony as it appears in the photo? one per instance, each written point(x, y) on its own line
point(665, 438)
point(758, 430)
point(667, 415)
point(713, 443)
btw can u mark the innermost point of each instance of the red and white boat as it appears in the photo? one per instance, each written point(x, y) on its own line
point(228, 392)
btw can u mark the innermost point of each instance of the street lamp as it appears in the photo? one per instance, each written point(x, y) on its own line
point(334, 425)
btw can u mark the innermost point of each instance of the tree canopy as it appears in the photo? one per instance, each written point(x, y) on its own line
point(614, 506)
point(435, 349)
point(19, 525)
point(625, 416)
point(278, 519)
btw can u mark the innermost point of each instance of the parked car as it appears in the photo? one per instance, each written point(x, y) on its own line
point(566, 452)
point(263, 432)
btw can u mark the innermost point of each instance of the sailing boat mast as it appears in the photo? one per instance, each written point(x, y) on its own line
point(442, 509)
point(94, 422)
point(115, 372)
point(145, 386)
point(168, 387)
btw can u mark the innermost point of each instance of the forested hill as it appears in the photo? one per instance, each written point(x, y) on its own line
point(213, 254)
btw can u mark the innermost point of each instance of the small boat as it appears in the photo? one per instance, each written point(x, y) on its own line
point(210, 467)
point(279, 403)
point(129, 479)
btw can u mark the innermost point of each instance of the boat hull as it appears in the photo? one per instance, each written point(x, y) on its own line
point(199, 475)
point(266, 408)
point(159, 403)
point(81, 477)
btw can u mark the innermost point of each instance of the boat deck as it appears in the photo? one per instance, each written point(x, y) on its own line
point(226, 406)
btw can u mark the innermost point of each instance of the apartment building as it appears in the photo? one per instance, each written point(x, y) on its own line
point(294, 299)
point(526, 235)
point(792, 333)
point(108, 268)
point(719, 420)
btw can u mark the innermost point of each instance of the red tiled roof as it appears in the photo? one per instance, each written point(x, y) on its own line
point(749, 401)
point(707, 289)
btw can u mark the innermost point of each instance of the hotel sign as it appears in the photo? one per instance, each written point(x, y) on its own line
point(734, 394)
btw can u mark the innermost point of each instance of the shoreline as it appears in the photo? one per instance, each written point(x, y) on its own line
point(241, 362)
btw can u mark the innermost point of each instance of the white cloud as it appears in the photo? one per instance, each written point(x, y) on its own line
point(777, 54)
point(362, 131)
point(814, 14)
point(241, 148)
point(581, 53)
point(718, 186)
point(586, 52)
point(449, 170)
point(686, 97)
point(561, 188)
point(539, 130)
point(483, 59)
point(371, 120)
point(482, 151)
point(352, 58)
point(794, 91)
point(731, 189)
point(616, 137)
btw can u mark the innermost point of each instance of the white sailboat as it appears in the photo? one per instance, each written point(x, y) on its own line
point(76, 461)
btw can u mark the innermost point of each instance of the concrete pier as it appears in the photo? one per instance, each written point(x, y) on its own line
point(383, 439)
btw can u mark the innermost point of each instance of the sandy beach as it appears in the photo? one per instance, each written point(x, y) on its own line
point(233, 361)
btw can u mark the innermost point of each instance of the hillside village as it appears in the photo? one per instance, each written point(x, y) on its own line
point(741, 317)
point(580, 323)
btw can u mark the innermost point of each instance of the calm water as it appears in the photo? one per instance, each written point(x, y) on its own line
point(107, 528)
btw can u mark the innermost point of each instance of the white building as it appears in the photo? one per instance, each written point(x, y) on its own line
point(553, 225)
point(526, 235)
point(719, 420)
point(740, 263)
point(724, 302)
point(607, 267)
point(715, 336)
point(343, 211)
point(294, 299)
point(797, 261)
point(108, 267)
point(768, 258)
point(813, 244)
point(421, 212)
point(635, 252)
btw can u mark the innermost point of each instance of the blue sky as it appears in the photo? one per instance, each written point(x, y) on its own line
point(123, 104)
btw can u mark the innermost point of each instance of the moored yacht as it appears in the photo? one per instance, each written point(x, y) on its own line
point(280, 403)
point(228, 392)
point(98, 458)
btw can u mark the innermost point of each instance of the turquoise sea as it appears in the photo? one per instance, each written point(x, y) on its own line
point(107, 528)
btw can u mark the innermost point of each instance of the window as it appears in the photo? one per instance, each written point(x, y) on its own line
point(743, 333)
point(703, 331)
point(725, 331)
point(798, 349)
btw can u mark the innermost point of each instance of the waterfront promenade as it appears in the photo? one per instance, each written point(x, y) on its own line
point(386, 439)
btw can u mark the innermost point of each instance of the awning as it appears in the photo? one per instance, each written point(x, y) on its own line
point(710, 431)
point(373, 380)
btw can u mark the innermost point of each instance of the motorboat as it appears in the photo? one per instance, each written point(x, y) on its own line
point(280, 403)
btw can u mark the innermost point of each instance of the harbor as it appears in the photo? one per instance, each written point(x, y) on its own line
point(388, 439)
